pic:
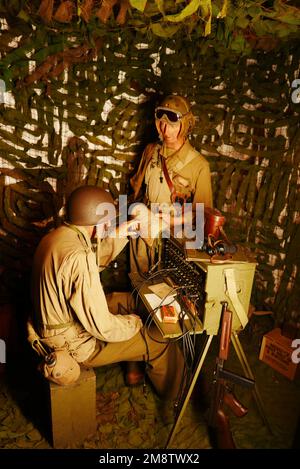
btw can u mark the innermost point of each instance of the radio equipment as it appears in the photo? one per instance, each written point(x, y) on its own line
point(184, 274)
point(207, 288)
point(204, 285)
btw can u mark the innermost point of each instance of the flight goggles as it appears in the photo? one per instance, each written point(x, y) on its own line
point(172, 116)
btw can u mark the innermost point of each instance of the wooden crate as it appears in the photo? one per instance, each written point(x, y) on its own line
point(276, 350)
point(73, 410)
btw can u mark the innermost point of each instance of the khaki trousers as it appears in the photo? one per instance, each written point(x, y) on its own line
point(165, 358)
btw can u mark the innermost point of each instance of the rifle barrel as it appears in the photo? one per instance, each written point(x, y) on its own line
point(235, 378)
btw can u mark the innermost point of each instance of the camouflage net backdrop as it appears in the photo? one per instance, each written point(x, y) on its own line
point(76, 106)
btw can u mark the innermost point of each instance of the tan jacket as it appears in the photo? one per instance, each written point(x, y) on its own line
point(188, 170)
point(70, 308)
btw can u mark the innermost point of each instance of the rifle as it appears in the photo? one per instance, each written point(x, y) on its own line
point(218, 421)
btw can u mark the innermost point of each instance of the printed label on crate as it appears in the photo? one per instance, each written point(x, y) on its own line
point(281, 357)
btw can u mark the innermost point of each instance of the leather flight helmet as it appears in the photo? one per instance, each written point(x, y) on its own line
point(182, 106)
point(90, 206)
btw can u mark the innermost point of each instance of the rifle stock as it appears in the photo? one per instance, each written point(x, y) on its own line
point(234, 404)
point(218, 421)
point(223, 433)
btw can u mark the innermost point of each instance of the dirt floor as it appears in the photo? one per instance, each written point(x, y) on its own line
point(136, 418)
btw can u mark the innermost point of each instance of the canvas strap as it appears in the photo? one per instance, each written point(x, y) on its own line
point(166, 174)
point(232, 293)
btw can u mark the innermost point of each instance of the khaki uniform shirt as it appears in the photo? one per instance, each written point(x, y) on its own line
point(188, 170)
point(66, 290)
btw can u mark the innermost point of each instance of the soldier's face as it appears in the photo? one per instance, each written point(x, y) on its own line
point(169, 131)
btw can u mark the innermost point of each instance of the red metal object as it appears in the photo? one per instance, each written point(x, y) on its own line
point(214, 220)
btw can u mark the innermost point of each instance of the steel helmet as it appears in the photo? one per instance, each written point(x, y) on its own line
point(89, 206)
point(182, 113)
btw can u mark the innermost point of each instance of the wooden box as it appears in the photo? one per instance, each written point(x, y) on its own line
point(73, 410)
point(276, 350)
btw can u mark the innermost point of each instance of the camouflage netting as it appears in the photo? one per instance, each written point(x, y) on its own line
point(76, 106)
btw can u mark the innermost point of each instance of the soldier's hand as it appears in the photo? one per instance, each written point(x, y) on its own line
point(128, 228)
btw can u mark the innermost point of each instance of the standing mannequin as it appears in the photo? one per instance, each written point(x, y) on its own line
point(188, 170)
